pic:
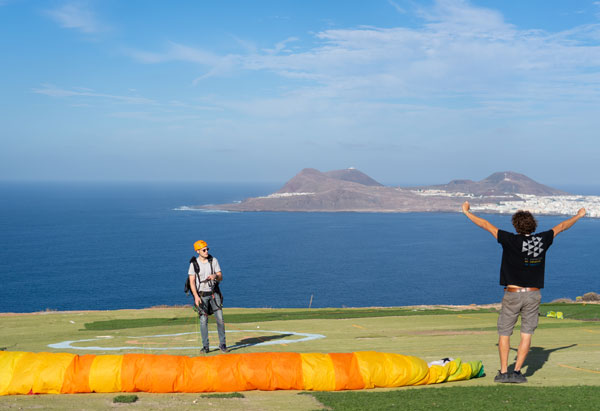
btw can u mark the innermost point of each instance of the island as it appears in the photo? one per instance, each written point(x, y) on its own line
point(351, 190)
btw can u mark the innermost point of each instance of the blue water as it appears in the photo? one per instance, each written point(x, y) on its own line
point(74, 246)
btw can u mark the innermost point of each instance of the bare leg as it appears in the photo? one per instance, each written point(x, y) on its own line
point(523, 350)
point(503, 349)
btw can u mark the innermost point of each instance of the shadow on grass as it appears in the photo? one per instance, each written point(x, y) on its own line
point(538, 357)
point(246, 342)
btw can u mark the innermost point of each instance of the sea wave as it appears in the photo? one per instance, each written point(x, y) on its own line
point(202, 210)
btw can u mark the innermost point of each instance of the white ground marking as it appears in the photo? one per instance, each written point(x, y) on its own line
point(69, 344)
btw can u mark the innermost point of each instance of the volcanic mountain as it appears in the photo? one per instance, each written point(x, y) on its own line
point(353, 190)
point(314, 181)
point(500, 183)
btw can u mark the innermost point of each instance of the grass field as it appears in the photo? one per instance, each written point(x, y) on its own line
point(563, 366)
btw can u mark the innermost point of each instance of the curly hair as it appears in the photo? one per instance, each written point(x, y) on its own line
point(524, 222)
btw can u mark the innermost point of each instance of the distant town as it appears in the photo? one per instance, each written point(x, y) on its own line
point(544, 205)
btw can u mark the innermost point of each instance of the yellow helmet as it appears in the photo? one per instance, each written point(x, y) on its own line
point(199, 245)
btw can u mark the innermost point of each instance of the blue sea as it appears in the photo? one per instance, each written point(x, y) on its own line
point(80, 246)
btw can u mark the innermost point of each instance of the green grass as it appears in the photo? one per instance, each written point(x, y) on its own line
point(542, 326)
point(464, 398)
point(125, 323)
point(278, 315)
point(586, 312)
point(562, 365)
point(224, 395)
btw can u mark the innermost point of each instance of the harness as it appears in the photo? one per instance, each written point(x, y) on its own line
point(214, 288)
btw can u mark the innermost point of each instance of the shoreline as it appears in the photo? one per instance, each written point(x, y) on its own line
point(209, 208)
point(161, 307)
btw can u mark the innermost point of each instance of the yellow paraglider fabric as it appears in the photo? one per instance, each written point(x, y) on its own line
point(318, 373)
point(29, 372)
point(8, 363)
point(439, 373)
point(390, 370)
point(45, 373)
point(105, 373)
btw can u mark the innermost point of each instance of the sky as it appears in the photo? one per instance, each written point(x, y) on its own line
point(409, 92)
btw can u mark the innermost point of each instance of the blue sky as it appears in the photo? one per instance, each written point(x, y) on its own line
point(409, 92)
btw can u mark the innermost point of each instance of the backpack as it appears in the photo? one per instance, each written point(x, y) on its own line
point(215, 288)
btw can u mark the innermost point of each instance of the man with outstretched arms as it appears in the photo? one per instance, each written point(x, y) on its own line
point(522, 275)
point(205, 275)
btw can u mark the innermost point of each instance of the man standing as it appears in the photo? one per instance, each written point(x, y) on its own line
point(522, 275)
point(205, 274)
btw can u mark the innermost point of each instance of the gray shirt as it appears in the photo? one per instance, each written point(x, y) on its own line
point(203, 284)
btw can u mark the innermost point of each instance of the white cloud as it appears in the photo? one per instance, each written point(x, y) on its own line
point(53, 91)
point(150, 111)
point(214, 63)
point(281, 46)
point(248, 46)
point(179, 52)
point(459, 16)
point(459, 50)
point(396, 6)
point(463, 71)
point(78, 16)
point(152, 117)
point(597, 4)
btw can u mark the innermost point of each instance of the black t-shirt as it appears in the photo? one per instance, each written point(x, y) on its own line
point(524, 258)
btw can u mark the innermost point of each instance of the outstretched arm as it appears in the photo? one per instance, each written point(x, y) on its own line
point(565, 225)
point(483, 223)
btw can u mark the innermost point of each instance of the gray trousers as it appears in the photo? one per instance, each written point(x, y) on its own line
point(218, 313)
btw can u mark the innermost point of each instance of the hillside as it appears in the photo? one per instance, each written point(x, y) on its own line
point(500, 183)
point(353, 190)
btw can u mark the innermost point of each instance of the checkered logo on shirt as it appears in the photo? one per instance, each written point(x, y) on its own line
point(533, 246)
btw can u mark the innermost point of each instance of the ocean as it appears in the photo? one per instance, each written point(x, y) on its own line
point(100, 246)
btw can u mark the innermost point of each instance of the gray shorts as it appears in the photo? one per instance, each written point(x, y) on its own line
point(526, 304)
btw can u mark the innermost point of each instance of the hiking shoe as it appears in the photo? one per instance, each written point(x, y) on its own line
point(502, 377)
point(205, 350)
point(517, 378)
point(223, 348)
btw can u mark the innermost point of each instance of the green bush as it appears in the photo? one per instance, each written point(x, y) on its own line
point(224, 395)
point(125, 398)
